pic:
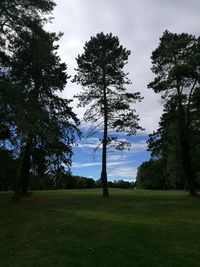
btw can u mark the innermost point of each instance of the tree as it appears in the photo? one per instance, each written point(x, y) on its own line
point(16, 16)
point(33, 118)
point(19, 15)
point(100, 72)
point(43, 120)
point(195, 129)
point(8, 170)
point(176, 64)
point(151, 175)
point(164, 145)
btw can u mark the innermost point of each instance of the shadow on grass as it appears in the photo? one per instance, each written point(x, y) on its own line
point(80, 228)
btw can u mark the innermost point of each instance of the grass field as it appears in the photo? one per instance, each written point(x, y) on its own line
point(79, 228)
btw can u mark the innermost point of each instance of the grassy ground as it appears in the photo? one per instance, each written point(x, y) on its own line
point(79, 228)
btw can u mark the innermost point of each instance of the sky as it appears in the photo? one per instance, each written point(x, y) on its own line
point(139, 24)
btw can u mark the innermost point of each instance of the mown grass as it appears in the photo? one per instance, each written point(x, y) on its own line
point(79, 228)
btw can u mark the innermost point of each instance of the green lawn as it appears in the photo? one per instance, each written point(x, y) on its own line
point(79, 228)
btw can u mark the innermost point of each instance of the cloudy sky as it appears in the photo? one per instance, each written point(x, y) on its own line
point(139, 24)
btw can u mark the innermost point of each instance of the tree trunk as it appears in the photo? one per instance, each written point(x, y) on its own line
point(105, 137)
point(186, 185)
point(104, 173)
point(187, 166)
point(185, 150)
point(24, 175)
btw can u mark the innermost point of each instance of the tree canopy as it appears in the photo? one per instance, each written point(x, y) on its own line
point(176, 64)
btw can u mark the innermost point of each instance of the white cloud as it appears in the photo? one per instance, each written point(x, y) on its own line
point(93, 146)
point(118, 163)
point(129, 172)
point(139, 146)
point(136, 147)
point(120, 156)
point(89, 164)
point(91, 142)
point(139, 24)
point(81, 165)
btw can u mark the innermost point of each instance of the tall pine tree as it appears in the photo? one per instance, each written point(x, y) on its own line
point(100, 72)
point(42, 118)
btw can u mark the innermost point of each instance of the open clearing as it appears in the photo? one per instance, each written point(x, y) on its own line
point(79, 228)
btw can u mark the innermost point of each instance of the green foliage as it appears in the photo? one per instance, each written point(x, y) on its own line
point(176, 64)
point(44, 121)
point(65, 180)
point(35, 122)
point(20, 15)
point(16, 17)
point(120, 184)
point(101, 65)
point(152, 175)
point(165, 146)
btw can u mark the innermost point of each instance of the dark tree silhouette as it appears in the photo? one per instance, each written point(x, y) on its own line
point(16, 16)
point(165, 146)
point(100, 72)
point(151, 175)
point(32, 116)
point(42, 118)
point(176, 63)
point(19, 15)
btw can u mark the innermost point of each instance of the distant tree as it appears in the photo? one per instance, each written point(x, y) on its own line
point(176, 63)
point(110, 184)
point(90, 183)
point(98, 183)
point(100, 72)
point(151, 175)
point(121, 184)
point(71, 181)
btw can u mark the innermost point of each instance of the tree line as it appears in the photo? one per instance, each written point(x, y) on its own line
point(38, 127)
point(52, 180)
